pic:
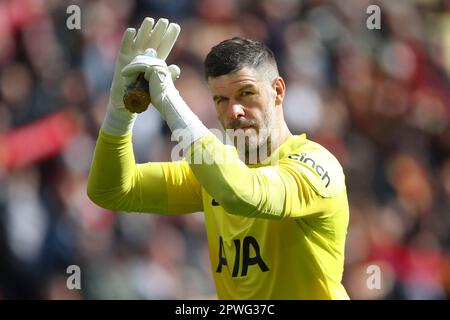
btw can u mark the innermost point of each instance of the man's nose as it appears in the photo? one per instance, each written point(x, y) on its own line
point(235, 110)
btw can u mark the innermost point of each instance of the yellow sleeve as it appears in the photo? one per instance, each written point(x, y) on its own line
point(289, 189)
point(117, 183)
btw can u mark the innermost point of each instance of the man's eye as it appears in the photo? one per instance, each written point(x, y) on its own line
point(246, 93)
point(219, 101)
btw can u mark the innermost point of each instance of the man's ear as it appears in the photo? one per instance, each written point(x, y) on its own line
point(280, 89)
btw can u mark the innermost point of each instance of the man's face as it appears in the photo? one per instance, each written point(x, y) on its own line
point(245, 100)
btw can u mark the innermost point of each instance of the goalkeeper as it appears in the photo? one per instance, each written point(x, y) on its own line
point(276, 226)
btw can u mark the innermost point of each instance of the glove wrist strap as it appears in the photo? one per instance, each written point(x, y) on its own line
point(118, 120)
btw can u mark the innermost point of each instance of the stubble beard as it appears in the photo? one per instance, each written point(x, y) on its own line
point(255, 145)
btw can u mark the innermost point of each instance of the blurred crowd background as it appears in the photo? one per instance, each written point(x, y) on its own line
point(378, 99)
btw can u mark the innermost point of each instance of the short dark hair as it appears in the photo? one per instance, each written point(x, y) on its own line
point(234, 54)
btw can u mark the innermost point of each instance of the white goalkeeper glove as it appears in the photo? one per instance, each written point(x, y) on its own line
point(165, 97)
point(161, 37)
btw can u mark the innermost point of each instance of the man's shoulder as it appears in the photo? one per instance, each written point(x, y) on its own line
point(317, 165)
point(312, 153)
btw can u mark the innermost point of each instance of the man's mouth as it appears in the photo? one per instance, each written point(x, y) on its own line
point(245, 127)
point(241, 124)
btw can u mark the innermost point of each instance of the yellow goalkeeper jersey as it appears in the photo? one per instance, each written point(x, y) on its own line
point(274, 231)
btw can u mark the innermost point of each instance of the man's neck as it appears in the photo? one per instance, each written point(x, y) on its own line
point(270, 146)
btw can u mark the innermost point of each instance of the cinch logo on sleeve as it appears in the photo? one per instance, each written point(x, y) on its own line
point(312, 163)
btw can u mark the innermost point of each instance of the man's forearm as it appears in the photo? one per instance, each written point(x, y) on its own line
point(111, 170)
point(115, 182)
